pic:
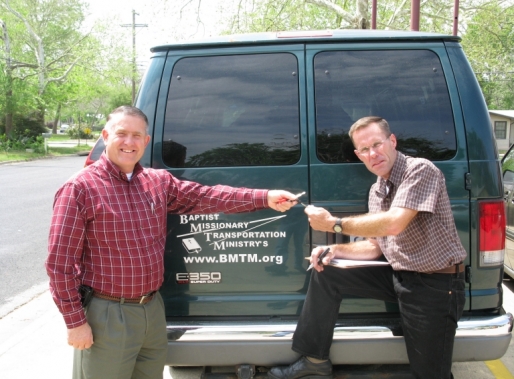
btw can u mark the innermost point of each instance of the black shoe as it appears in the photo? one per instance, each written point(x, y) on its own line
point(302, 368)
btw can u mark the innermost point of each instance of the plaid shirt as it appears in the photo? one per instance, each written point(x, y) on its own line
point(430, 242)
point(109, 233)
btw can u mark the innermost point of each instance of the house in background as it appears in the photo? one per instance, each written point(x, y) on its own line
point(503, 126)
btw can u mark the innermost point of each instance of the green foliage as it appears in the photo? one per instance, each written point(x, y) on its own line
point(274, 15)
point(26, 135)
point(81, 70)
point(20, 143)
point(489, 45)
point(123, 97)
point(5, 143)
point(27, 127)
point(79, 133)
point(486, 26)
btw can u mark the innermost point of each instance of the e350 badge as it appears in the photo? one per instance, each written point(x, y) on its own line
point(198, 277)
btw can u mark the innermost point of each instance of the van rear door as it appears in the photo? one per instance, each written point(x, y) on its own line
point(404, 83)
point(233, 116)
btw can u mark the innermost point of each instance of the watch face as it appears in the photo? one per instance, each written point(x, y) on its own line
point(337, 228)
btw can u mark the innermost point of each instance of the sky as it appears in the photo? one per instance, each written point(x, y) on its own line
point(166, 21)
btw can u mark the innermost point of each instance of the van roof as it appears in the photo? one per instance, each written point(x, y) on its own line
point(350, 35)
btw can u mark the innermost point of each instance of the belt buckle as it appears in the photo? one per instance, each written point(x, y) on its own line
point(144, 297)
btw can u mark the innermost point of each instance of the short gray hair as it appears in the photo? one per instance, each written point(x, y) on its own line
point(126, 110)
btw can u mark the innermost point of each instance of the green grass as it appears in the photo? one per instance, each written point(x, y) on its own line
point(52, 152)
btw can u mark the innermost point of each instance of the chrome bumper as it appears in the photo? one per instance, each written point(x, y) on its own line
point(221, 344)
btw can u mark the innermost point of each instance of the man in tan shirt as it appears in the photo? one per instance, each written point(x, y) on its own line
point(410, 223)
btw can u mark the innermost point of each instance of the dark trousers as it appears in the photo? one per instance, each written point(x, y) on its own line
point(430, 306)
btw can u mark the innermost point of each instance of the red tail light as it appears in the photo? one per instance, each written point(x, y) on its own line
point(492, 233)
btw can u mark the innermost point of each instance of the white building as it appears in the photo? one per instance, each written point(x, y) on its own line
point(503, 126)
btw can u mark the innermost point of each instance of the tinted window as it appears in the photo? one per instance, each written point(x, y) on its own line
point(238, 110)
point(407, 88)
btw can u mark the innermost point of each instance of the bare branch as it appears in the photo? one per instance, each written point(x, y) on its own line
point(396, 13)
point(63, 76)
point(335, 8)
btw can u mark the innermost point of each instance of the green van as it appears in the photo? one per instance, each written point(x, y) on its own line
point(273, 110)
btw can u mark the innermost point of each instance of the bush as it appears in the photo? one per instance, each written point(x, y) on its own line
point(27, 126)
point(22, 143)
point(5, 143)
point(80, 133)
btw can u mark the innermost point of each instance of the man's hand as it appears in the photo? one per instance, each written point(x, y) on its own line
point(281, 200)
point(315, 255)
point(320, 219)
point(80, 337)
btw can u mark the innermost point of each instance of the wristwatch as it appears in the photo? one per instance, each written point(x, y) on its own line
point(338, 228)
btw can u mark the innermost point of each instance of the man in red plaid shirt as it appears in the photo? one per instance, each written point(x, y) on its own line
point(108, 232)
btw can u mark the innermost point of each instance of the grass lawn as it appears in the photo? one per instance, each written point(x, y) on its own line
point(52, 152)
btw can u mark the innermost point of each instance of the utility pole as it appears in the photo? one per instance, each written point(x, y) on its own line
point(414, 15)
point(134, 65)
point(456, 17)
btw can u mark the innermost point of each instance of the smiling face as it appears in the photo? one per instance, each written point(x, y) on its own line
point(375, 149)
point(125, 140)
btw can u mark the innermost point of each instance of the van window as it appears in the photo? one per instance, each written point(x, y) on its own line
point(237, 110)
point(406, 87)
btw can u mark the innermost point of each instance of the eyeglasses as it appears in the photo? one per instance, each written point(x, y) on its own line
point(366, 150)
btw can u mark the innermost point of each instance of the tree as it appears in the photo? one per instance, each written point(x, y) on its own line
point(489, 45)
point(103, 80)
point(485, 26)
point(275, 15)
point(8, 80)
point(50, 41)
point(57, 66)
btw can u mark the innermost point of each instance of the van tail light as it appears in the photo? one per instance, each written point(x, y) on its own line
point(491, 233)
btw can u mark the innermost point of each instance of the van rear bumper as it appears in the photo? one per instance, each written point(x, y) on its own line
point(227, 344)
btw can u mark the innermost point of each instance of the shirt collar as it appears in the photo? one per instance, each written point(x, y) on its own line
point(395, 177)
point(115, 171)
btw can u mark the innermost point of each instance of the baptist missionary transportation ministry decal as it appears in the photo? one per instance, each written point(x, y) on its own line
point(208, 233)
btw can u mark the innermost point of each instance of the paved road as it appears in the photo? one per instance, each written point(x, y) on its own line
point(27, 189)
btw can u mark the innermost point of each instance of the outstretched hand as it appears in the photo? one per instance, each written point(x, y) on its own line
point(320, 219)
point(281, 201)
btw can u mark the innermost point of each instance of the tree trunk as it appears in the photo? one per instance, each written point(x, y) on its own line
point(56, 119)
point(8, 92)
point(362, 19)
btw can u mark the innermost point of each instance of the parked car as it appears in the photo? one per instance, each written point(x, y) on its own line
point(273, 110)
point(64, 128)
point(508, 193)
point(96, 151)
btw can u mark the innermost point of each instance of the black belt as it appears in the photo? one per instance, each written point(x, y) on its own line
point(137, 300)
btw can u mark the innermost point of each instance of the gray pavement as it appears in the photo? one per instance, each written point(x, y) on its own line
point(33, 345)
point(33, 342)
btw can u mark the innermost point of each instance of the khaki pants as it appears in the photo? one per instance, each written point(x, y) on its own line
point(129, 341)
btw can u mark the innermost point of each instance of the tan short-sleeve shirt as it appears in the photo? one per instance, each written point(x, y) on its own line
point(430, 242)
